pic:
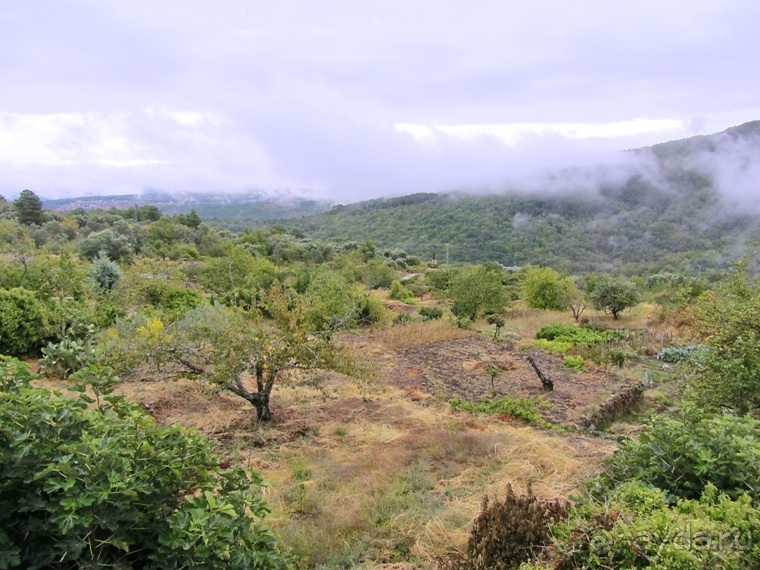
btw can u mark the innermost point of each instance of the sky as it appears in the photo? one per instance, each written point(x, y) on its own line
point(350, 100)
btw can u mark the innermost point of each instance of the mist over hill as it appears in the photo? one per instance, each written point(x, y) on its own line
point(692, 204)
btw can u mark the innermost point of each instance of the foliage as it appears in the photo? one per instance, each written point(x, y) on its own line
point(682, 455)
point(74, 350)
point(230, 348)
point(238, 276)
point(728, 375)
point(475, 291)
point(575, 362)
point(399, 293)
point(614, 296)
point(117, 247)
point(576, 336)
point(526, 409)
point(24, 321)
point(430, 313)
point(636, 528)
point(105, 273)
point(28, 208)
point(679, 353)
point(331, 303)
point(547, 289)
point(375, 274)
point(110, 488)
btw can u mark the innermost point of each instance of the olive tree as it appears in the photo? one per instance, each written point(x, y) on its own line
point(614, 296)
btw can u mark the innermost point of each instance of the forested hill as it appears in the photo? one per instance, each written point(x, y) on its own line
point(683, 204)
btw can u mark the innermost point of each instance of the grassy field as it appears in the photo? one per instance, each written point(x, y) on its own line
point(382, 473)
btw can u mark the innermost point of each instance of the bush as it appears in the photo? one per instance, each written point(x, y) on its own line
point(525, 409)
point(23, 323)
point(675, 354)
point(107, 487)
point(578, 336)
point(399, 293)
point(105, 273)
point(430, 313)
point(511, 531)
point(73, 352)
point(576, 363)
point(547, 289)
point(636, 528)
point(728, 374)
point(682, 455)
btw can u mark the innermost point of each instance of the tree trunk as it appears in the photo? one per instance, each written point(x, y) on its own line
point(260, 401)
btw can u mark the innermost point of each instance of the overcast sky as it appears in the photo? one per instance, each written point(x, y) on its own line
point(354, 99)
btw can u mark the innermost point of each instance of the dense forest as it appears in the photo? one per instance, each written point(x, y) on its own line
point(404, 411)
point(668, 211)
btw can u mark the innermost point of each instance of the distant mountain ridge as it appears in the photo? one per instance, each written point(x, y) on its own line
point(235, 211)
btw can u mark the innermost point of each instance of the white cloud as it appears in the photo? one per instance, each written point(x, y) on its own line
point(511, 134)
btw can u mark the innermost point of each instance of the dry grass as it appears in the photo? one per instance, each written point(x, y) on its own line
point(388, 481)
point(414, 334)
point(375, 475)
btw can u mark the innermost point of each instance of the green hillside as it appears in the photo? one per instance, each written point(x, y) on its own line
point(668, 214)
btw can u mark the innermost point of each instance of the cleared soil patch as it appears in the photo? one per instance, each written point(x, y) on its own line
point(462, 369)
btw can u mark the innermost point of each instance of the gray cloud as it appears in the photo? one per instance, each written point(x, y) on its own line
point(306, 95)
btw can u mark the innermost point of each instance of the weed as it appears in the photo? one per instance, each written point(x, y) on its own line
point(525, 409)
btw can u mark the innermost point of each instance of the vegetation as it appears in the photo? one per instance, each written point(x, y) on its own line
point(367, 463)
point(476, 291)
point(728, 373)
point(526, 409)
point(614, 296)
point(547, 289)
point(107, 487)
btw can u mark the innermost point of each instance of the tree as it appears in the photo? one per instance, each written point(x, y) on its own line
point(547, 289)
point(191, 220)
point(330, 303)
point(239, 351)
point(106, 487)
point(29, 208)
point(614, 296)
point(105, 273)
point(115, 247)
point(476, 290)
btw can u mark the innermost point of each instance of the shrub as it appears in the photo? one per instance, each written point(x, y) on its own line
point(511, 531)
point(399, 293)
point(547, 289)
point(579, 336)
point(575, 362)
point(71, 353)
point(430, 313)
point(105, 273)
point(23, 323)
point(525, 409)
point(682, 455)
point(636, 528)
point(108, 487)
point(679, 353)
